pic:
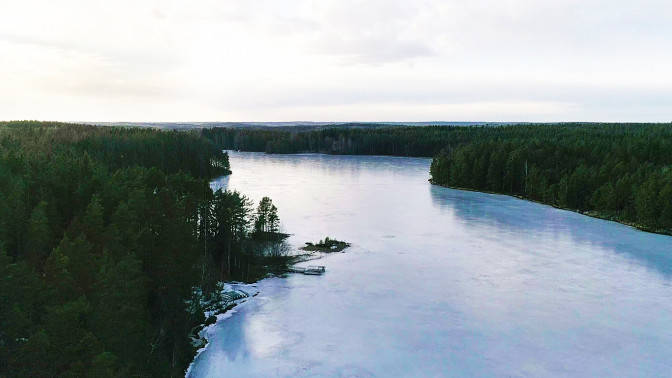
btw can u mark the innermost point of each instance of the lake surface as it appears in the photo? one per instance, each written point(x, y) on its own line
point(441, 282)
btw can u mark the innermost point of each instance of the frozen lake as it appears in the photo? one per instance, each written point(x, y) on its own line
point(442, 282)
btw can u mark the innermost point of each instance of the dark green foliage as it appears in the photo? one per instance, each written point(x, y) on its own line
point(227, 228)
point(618, 171)
point(104, 233)
point(38, 227)
point(344, 140)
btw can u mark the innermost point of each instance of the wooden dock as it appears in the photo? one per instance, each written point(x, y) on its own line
point(313, 270)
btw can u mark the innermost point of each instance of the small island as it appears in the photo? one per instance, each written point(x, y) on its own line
point(327, 245)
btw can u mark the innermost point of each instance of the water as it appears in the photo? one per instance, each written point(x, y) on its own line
point(442, 282)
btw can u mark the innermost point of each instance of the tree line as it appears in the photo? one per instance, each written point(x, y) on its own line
point(350, 139)
point(104, 234)
point(615, 171)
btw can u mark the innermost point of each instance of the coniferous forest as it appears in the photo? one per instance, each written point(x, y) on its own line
point(348, 139)
point(104, 234)
point(621, 172)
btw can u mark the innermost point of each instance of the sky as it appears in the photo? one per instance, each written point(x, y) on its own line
point(336, 60)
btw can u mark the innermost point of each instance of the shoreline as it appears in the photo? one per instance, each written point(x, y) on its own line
point(328, 154)
point(591, 214)
point(231, 308)
point(228, 311)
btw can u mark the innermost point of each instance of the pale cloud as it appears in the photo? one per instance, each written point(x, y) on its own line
point(336, 60)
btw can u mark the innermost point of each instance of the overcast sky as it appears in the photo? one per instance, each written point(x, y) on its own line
point(336, 60)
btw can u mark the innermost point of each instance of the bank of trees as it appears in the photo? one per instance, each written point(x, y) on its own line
point(351, 139)
point(104, 232)
point(617, 171)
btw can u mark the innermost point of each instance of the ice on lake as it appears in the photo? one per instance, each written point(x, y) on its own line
point(441, 282)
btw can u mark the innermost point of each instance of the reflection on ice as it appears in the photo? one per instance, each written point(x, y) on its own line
point(507, 213)
point(440, 282)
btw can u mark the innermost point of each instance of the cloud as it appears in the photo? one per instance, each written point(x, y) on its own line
point(368, 31)
point(371, 49)
point(35, 67)
point(328, 59)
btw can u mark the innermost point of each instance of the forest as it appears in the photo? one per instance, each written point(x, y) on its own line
point(348, 139)
point(104, 234)
point(621, 172)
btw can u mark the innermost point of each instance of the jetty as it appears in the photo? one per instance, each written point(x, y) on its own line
point(313, 270)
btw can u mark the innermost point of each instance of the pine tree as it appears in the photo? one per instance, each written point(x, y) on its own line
point(38, 237)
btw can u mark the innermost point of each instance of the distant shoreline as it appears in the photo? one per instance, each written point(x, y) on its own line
point(592, 214)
